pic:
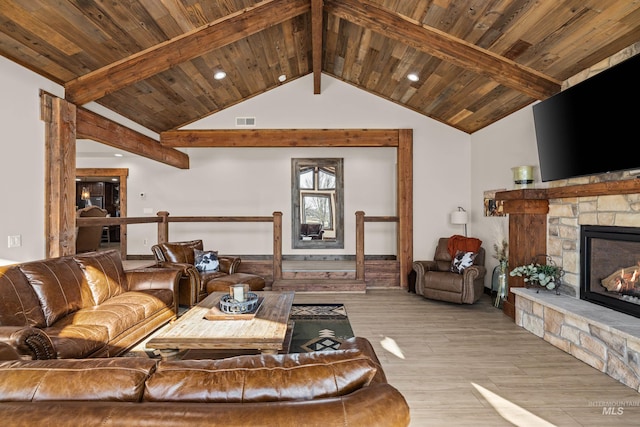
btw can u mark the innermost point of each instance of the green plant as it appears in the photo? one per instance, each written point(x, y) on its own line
point(547, 275)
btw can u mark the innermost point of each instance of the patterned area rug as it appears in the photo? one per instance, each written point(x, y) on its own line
point(319, 327)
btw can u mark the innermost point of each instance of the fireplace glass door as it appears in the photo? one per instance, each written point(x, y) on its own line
point(610, 267)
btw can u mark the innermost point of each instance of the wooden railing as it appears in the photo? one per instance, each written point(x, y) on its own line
point(163, 219)
point(360, 220)
point(276, 219)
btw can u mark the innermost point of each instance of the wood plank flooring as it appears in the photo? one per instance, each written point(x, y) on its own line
point(470, 365)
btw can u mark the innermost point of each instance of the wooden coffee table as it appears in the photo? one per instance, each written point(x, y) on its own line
point(265, 331)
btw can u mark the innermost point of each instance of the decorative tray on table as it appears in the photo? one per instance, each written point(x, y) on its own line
point(228, 308)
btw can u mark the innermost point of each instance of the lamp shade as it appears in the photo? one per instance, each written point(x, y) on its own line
point(459, 217)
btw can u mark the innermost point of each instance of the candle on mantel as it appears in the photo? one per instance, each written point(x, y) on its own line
point(523, 176)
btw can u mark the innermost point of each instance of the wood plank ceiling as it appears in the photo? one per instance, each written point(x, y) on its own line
point(153, 61)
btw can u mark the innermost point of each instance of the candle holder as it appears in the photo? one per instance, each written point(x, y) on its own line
point(239, 300)
point(239, 292)
point(523, 176)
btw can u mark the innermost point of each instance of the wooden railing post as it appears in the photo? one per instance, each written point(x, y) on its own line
point(163, 227)
point(359, 245)
point(277, 246)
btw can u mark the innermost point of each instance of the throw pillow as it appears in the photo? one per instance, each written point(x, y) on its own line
point(206, 260)
point(462, 260)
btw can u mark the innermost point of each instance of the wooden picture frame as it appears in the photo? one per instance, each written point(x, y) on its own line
point(491, 206)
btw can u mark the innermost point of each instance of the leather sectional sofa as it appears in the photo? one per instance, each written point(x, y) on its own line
point(342, 388)
point(196, 285)
point(82, 306)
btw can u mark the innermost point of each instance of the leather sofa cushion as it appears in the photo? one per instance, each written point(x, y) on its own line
point(261, 378)
point(110, 379)
point(444, 281)
point(104, 274)
point(19, 304)
point(58, 283)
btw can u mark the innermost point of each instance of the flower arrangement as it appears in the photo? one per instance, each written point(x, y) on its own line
point(501, 251)
point(546, 275)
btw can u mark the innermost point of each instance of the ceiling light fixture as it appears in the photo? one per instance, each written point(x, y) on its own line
point(282, 78)
point(219, 75)
point(119, 155)
point(413, 77)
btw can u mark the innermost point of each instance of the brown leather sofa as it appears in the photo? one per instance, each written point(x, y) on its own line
point(434, 279)
point(81, 306)
point(196, 285)
point(341, 388)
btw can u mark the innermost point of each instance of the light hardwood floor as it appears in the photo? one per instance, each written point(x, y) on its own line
point(470, 365)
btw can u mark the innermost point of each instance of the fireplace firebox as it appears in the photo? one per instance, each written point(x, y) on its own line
point(610, 267)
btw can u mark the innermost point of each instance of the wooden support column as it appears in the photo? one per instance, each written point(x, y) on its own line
point(527, 236)
point(60, 166)
point(405, 204)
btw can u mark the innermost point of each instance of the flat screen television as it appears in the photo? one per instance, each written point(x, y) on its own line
point(591, 127)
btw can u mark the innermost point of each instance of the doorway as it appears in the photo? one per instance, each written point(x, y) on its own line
point(119, 205)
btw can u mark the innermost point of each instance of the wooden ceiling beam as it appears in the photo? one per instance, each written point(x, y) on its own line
point(151, 61)
point(90, 125)
point(271, 138)
point(316, 43)
point(443, 46)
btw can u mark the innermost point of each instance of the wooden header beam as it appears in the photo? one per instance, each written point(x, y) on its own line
point(281, 138)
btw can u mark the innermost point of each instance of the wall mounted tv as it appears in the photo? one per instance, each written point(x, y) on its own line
point(591, 127)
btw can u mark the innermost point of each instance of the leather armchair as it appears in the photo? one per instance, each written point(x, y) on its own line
point(434, 279)
point(88, 238)
point(195, 285)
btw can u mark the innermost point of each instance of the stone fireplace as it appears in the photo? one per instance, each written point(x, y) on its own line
point(606, 224)
point(610, 267)
point(606, 338)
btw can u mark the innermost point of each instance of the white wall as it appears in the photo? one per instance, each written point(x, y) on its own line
point(22, 161)
point(495, 150)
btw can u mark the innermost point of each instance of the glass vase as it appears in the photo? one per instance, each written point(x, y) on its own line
point(503, 285)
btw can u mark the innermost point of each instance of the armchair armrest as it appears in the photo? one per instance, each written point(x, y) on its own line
point(229, 264)
point(155, 278)
point(420, 267)
point(28, 342)
point(473, 278)
point(191, 286)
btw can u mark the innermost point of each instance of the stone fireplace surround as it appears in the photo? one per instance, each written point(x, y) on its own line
point(601, 337)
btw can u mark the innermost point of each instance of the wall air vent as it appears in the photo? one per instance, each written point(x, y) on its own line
point(245, 121)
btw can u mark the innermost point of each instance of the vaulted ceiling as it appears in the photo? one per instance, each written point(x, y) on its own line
point(154, 61)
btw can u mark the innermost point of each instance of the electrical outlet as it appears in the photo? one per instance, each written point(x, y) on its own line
point(15, 241)
point(145, 242)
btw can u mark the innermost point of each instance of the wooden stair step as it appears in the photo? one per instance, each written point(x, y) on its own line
point(320, 285)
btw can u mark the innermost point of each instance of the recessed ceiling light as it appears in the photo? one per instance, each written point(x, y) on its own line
point(119, 155)
point(282, 78)
point(413, 77)
point(219, 75)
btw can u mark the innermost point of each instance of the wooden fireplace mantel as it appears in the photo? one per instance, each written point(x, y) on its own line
point(528, 209)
